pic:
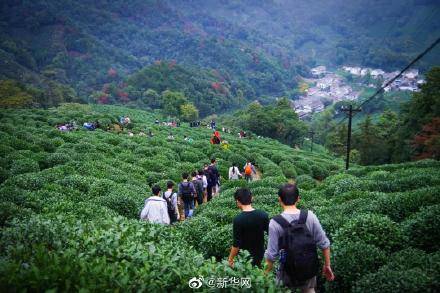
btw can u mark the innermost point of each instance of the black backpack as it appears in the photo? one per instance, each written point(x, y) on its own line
point(198, 185)
point(187, 194)
point(298, 255)
point(171, 209)
point(211, 176)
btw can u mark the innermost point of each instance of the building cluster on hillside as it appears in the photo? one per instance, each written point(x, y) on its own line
point(327, 89)
point(409, 81)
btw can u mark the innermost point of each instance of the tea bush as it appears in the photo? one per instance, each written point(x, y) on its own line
point(419, 228)
point(70, 204)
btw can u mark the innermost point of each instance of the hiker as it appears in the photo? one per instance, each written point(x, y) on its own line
point(188, 139)
point(155, 209)
point(171, 198)
point(205, 184)
point(124, 120)
point(234, 173)
point(212, 125)
point(225, 145)
point(215, 139)
point(157, 122)
point(248, 228)
point(187, 194)
point(62, 127)
point(213, 177)
point(198, 186)
point(290, 241)
point(249, 170)
point(89, 126)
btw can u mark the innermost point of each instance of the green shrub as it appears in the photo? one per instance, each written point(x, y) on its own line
point(288, 169)
point(411, 280)
point(76, 182)
point(419, 228)
point(409, 270)
point(352, 260)
point(319, 172)
point(277, 158)
point(24, 166)
point(399, 206)
point(56, 159)
point(338, 184)
point(305, 182)
point(302, 167)
point(371, 229)
point(9, 211)
point(123, 204)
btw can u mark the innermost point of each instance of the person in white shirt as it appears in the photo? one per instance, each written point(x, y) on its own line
point(155, 209)
point(234, 173)
point(205, 183)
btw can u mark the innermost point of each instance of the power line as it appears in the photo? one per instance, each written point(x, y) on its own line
point(380, 90)
point(420, 56)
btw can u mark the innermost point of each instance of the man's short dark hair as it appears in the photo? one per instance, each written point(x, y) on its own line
point(194, 174)
point(155, 189)
point(201, 172)
point(212, 160)
point(170, 184)
point(289, 194)
point(185, 175)
point(243, 195)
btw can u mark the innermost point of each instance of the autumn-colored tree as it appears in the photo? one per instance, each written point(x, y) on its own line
point(426, 144)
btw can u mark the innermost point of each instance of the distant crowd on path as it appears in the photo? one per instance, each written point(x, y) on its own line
point(195, 189)
point(293, 239)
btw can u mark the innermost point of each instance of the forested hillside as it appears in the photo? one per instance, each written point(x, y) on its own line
point(85, 44)
point(258, 48)
point(384, 34)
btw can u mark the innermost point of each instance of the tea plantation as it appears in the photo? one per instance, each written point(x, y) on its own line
point(70, 203)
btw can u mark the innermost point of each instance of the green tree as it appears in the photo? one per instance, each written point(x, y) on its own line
point(151, 98)
point(172, 101)
point(423, 107)
point(369, 143)
point(188, 112)
point(14, 95)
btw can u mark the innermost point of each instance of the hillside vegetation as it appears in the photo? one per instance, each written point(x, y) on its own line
point(70, 203)
point(261, 48)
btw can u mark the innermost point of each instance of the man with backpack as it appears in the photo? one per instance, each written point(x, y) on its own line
point(155, 209)
point(213, 177)
point(187, 193)
point(294, 236)
point(249, 170)
point(248, 228)
point(198, 186)
point(171, 198)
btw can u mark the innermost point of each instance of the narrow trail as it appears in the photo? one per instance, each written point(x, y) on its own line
point(257, 175)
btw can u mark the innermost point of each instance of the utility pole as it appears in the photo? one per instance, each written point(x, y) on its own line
point(311, 133)
point(350, 112)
